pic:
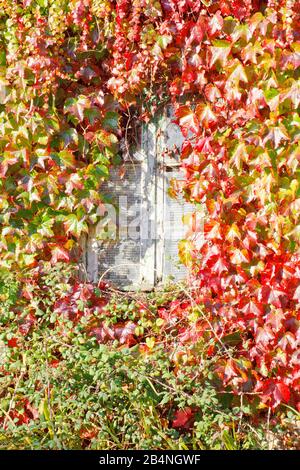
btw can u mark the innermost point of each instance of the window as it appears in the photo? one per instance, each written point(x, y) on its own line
point(142, 246)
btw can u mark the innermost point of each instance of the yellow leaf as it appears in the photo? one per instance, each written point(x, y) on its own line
point(239, 155)
point(238, 74)
point(233, 233)
point(185, 248)
point(150, 342)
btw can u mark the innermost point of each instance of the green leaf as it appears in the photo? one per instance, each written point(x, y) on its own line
point(77, 106)
point(228, 440)
point(111, 121)
point(102, 170)
point(66, 159)
point(75, 226)
point(42, 3)
point(164, 40)
point(66, 138)
point(28, 259)
point(92, 114)
point(2, 58)
point(45, 228)
point(271, 93)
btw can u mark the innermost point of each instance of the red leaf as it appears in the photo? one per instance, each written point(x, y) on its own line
point(189, 75)
point(282, 393)
point(275, 319)
point(212, 230)
point(187, 120)
point(124, 333)
point(206, 115)
point(230, 370)
point(59, 253)
point(12, 343)
point(297, 293)
point(253, 308)
point(31, 410)
point(274, 393)
point(272, 295)
point(264, 335)
point(103, 333)
point(183, 418)
point(287, 341)
point(26, 324)
point(220, 266)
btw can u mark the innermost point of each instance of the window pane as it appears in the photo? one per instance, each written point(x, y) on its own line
point(120, 259)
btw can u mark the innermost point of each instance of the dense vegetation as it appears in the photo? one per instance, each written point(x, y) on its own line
point(104, 370)
point(203, 365)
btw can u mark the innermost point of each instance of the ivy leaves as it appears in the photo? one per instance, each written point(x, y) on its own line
point(74, 226)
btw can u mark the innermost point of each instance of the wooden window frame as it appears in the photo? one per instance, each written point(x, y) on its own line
point(153, 198)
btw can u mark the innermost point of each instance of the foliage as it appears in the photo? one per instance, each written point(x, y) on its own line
point(9, 288)
point(242, 162)
point(67, 385)
point(73, 75)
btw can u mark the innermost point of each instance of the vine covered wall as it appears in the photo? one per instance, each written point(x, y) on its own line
point(76, 75)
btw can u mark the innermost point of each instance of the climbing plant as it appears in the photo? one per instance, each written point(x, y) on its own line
point(76, 76)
